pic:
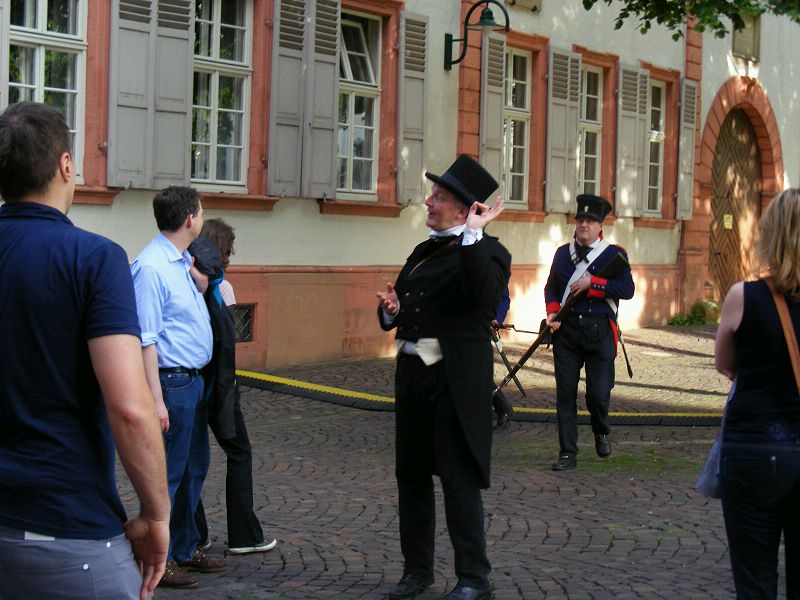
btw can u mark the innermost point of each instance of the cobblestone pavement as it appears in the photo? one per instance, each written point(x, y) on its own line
point(630, 526)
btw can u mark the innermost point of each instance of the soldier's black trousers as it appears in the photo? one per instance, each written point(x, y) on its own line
point(583, 340)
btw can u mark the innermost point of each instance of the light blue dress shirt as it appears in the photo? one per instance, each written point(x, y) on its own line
point(172, 312)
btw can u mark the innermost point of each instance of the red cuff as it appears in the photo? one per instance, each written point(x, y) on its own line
point(552, 307)
point(597, 288)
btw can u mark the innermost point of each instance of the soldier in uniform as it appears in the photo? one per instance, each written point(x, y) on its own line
point(588, 335)
point(441, 305)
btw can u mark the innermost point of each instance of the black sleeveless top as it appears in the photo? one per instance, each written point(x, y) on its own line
point(765, 406)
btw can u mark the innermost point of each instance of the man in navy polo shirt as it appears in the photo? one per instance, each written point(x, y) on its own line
point(72, 384)
point(176, 344)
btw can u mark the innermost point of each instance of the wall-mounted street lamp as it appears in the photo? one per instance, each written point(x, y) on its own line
point(485, 24)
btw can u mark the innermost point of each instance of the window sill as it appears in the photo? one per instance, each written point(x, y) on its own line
point(97, 195)
point(654, 223)
point(227, 201)
point(359, 209)
point(522, 216)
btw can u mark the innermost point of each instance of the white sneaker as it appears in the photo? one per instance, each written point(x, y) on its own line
point(260, 547)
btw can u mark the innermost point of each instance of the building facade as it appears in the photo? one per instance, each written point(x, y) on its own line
point(308, 126)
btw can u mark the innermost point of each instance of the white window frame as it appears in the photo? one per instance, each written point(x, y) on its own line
point(217, 68)
point(520, 114)
point(655, 136)
point(373, 41)
point(42, 40)
point(585, 126)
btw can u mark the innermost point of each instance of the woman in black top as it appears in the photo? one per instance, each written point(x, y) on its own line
point(760, 469)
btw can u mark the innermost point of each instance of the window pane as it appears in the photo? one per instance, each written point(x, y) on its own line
point(592, 83)
point(343, 108)
point(61, 16)
point(518, 130)
point(233, 13)
point(362, 175)
point(352, 39)
point(65, 103)
point(519, 95)
point(23, 13)
point(655, 152)
point(231, 44)
point(517, 187)
point(589, 187)
point(230, 92)
point(341, 181)
point(228, 164)
point(201, 125)
point(359, 68)
point(655, 120)
point(18, 94)
point(199, 162)
point(518, 160)
point(590, 143)
point(341, 142)
point(202, 89)
point(22, 67)
point(520, 68)
point(654, 174)
point(229, 128)
point(362, 142)
point(59, 70)
point(204, 9)
point(591, 109)
point(652, 199)
point(202, 38)
point(589, 165)
point(362, 113)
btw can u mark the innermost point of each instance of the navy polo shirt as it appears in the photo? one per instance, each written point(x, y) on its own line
point(60, 286)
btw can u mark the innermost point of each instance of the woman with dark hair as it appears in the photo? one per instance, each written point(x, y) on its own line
point(245, 535)
point(760, 460)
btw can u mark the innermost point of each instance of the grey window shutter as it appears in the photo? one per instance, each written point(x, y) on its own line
point(4, 19)
point(411, 108)
point(562, 130)
point(321, 103)
point(634, 93)
point(172, 116)
point(491, 132)
point(287, 93)
point(150, 93)
point(686, 150)
point(130, 84)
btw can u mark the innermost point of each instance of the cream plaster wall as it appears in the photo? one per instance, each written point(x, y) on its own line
point(778, 71)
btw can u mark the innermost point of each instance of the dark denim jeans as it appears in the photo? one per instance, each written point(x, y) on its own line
point(188, 457)
point(761, 500)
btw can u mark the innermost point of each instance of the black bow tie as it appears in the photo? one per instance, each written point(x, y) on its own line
point(581, 252)
point(438, 239)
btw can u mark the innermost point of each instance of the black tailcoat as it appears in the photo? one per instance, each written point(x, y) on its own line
point(450, 292)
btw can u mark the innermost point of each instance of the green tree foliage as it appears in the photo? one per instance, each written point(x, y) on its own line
point(712, 15)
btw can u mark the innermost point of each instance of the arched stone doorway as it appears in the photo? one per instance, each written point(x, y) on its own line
point(744, 95)
point(735, 204)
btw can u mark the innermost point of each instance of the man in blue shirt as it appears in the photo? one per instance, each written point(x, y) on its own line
point(72, 385)
point(176, 344)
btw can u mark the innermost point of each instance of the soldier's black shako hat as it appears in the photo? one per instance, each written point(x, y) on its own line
point(465, 178)
point(592, 207)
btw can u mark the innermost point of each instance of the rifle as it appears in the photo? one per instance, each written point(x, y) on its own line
point(609, 270)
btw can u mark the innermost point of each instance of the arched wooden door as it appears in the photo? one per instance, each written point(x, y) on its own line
point(736, 203)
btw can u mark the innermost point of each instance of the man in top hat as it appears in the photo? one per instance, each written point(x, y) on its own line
point(588, 335)
point(441, 305)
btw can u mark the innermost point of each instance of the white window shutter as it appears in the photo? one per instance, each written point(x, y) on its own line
point(130, 93)
point(411, 108)
point(287, 93)
point(321, 103)
point(633, 105)
point(491, 132)
point(688, 132)
point(172, 115)
point(562, 130)
point(4, 19)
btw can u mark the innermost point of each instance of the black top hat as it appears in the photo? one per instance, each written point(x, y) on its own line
point(465, 178)
point(592, 207)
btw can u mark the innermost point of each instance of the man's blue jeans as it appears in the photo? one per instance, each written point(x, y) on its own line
point(761, 500)
point(188, 457)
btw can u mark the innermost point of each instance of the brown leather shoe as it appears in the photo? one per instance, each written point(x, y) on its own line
point(202, 562)
point(175, 577)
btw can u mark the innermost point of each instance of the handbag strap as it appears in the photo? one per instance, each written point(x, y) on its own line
point(788, 330)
